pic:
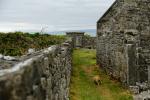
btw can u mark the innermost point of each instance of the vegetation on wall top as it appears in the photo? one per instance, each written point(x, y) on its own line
point(18, 43)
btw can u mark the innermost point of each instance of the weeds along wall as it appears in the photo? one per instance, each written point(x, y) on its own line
point(43, 75)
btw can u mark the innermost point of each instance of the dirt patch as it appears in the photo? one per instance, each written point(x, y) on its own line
point(90, 69)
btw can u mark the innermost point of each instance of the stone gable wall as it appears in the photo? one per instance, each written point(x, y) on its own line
point(123, 41)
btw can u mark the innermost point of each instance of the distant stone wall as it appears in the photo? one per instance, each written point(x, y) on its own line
point(76, 38)
point(43, 75)
point(89, 42)
point(80, 40)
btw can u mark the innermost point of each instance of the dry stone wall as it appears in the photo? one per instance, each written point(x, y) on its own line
point(89, 42)
point(43, 75)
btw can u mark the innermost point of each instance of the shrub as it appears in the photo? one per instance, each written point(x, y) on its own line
point(17, 43)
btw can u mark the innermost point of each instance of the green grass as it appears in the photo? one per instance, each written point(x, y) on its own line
point(82, 86)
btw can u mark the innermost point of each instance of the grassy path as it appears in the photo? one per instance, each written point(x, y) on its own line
point(82, 86)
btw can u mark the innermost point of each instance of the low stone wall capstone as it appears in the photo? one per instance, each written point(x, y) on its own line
point(43, 75)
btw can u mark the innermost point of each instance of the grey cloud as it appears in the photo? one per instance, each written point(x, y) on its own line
point(58, 14)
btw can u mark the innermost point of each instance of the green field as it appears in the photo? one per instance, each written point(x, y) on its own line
point(83, 88)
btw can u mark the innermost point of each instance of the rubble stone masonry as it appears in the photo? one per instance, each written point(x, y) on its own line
point(43, 75)
point(123, 41)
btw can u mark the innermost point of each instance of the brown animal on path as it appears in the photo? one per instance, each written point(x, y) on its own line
point(97, 80)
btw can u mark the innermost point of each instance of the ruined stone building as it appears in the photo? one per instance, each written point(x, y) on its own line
point(77, 38)
point(80, 40)
point(123, 41)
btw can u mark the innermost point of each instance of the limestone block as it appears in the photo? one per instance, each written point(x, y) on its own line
point(43, 83)
point(31, 50)
point(9, 58)
point(134, 89)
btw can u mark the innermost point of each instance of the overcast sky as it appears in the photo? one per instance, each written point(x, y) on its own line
point(54, 15)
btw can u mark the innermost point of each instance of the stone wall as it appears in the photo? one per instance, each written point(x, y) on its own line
point(123, 41)
point(43, 75)
point(76, 38)
point(89, 42)
point(80, 40)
